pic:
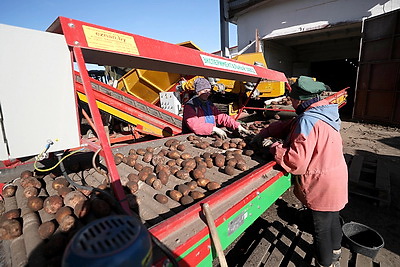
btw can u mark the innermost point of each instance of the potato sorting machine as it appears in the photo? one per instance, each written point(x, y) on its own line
point(88, 201)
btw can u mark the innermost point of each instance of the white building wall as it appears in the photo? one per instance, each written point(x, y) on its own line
point(291, 16)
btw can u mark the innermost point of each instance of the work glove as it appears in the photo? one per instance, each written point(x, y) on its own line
point(243, 130)
point(221, 133)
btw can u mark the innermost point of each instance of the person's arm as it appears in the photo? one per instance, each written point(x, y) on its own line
point(196, 124)
point(296, 158)
point(224, 119)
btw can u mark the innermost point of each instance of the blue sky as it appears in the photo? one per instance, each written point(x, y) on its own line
point(171, 21)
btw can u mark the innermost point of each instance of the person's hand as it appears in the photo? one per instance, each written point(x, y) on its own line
point(221, 133)
point(274, 146)
point(243, 130)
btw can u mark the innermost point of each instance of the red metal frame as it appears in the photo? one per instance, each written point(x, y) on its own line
point(95, 44)
point(176, 223)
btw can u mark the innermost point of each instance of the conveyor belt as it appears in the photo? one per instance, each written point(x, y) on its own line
point(148, 118)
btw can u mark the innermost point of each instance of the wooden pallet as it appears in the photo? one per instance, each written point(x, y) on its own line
point(276, 244)
point(369, 178)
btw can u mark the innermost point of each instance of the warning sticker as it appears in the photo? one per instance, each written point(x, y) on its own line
point(108, 40)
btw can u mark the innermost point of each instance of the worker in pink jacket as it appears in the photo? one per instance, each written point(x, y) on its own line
point(312, 151)
point(202, 117)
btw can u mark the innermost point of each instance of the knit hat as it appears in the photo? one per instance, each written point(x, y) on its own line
point(201, 84)
point(306, 88)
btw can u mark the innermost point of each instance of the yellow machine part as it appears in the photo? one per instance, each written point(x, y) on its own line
point(147, 84)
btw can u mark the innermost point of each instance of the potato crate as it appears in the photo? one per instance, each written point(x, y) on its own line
point(369, 178)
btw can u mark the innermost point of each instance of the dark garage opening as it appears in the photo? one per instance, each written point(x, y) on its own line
point(338, 74)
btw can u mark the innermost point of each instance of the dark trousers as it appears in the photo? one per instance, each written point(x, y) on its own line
point(327, 235)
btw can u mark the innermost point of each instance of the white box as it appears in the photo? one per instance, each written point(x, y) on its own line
point(37, 97)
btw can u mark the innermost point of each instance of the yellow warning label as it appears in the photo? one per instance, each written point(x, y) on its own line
point(107, 40)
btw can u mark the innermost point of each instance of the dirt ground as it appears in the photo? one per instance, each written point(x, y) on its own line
point(373, 142)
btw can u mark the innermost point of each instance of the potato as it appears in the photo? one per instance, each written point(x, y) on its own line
point(82, 208)
point(196, 195)
point(232, 145)
point(53, 203)
point(157, 160)
point(150, 149)
point(206, 155)
point(174, 169)
point(232, 162)
point(26, 174)
point(147, 169)
point(184, 189)
point(30, 192)
point(217, 143)
point(219, 160)
point(186, 200)
point(189, 164)
point(173, 154)
point(161, 198)
point(117, 160)
point(11, 214)
point(175, 195)
point(9, 190)
point(203, 182)
point(197, 173)
point(209, 162)
point(147, 157)
point(130, 162)
point(67, 223)
point(60, 182)
point(225, 145)
point(35, 203)
point(229, 170)
point(138, 166)
point(163, 176)
point(143, 175)
point(163, 152)
point(169, 142)
point(63, 191)
point(30, 181)
point(141, 151)
point(186, 155)
point(179, 162)
point(10, 229)
point(181, 147)
point(73, 198)
point(132, 186)
point(62, 212)
point(150, 179)
point(192, 185)
point(133, 177)
point(132, 151)
point(213, 186)
point(182, 174)
point(157, 184)
point(248, 152)
point(242, 166)
point(202, 145)
point(46, 229)
point(119, 155)
point(171, 162)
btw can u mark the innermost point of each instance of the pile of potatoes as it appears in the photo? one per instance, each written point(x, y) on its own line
point(58, 205)
point(173, 159)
